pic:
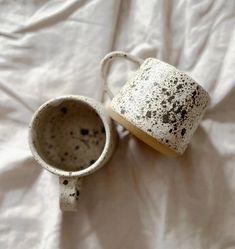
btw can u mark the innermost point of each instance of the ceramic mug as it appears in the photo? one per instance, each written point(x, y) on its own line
point(160, 105)
point(71, 136)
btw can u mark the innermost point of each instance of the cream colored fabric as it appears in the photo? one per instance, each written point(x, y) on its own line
point(141, 199)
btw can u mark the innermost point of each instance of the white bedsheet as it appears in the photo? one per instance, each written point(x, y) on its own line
point(140, 199)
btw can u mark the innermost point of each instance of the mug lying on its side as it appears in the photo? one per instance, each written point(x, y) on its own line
point(160, 105)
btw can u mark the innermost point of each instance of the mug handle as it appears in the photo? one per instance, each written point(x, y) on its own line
point(70, 188)
point(107, 59)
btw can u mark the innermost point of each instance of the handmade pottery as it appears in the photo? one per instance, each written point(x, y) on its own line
point(160, 104)
point(71, 136)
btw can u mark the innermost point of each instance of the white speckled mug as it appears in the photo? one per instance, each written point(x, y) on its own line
point(71, 136)
point(160, 105)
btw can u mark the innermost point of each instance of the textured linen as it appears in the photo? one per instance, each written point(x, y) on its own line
point(140, 199)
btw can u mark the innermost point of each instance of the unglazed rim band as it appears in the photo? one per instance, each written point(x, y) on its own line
point(143, 136)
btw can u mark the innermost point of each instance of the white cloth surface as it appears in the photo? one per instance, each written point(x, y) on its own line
point(140, 199)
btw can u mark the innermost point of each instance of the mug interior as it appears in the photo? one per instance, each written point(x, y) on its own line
point(68, 135)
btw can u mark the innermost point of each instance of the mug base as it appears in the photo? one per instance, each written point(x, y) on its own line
point(143, 136)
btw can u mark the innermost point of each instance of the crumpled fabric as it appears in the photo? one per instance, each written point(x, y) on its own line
point(140, 199)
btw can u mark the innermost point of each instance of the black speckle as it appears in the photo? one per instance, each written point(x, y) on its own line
point(163, 89)
point(76, 147)
point(92, 161)
point(64, 110)
point(167, 140)
point(62, 159)
point(170, 130)
point(75, 158)
point(123, 111)
point(71, 132)
point(179, 109)
point(163, 102)
point(78, 193)
point(138, 117)
point(168, 93)
point(165, 118)
point(154, 113)
point(72, 194)
point(52, 137)
point(176, 80)
point(84, 132)
point(148, 114)
point(171, 98)
point(149, 130)
point(96, 132)
point(194, 93)
point(179, 86)
point(65, 182)
point(81, 167)
point(103, 129)
point(183, 132)
point(66, 153)
point(183, 113)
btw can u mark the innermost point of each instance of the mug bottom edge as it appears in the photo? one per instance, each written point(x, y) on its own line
point(143, 136)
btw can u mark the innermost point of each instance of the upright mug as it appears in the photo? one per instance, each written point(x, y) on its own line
point(160, 104)
point(71, 136)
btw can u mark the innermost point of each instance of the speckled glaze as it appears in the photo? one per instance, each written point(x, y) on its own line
point(71, 136)
point(163, 102)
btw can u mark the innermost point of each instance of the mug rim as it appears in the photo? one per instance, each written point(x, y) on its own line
point(98, 108)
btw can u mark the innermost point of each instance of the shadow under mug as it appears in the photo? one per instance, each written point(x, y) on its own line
point(160, 105)
point(71, 136)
